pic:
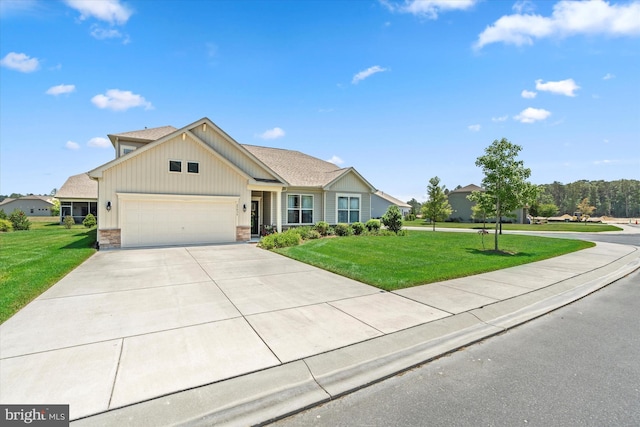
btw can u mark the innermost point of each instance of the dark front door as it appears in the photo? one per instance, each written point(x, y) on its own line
point(254, 217)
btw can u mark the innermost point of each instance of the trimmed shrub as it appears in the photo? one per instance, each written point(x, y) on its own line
point(372, 225)
point(280, 240)
point(322, 228)
point(409, 217)
point(89, 221)
point(342, 229)
point(313, 234)
point(393, 219)
point(3, 214)
point(68, 222)
point(357, 228)
point(19, 220)
point(5, 225)
point(303, 232)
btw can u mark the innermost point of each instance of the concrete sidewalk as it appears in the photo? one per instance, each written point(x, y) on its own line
point(234, 334)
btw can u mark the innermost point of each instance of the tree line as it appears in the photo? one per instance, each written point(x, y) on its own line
point(619, 198)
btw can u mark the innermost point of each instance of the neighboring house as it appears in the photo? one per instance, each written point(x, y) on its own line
point(78, 197)
point(380, 202)
point(461, 206)
point(30, 205)
point(196, 184)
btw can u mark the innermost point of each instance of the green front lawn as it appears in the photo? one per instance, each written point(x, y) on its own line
point(554, 226)
point(31, 261)
point(395, 262)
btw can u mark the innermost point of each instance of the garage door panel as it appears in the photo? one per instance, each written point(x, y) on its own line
point(176, 222)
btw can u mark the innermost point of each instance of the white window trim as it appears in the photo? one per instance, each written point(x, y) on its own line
point(349, 195)
point(313, 202)
point(192, 173)
point(169, 165)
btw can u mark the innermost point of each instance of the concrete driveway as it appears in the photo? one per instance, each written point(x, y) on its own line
point(128, 326)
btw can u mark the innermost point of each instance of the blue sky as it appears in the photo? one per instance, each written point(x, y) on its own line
point(400, 90)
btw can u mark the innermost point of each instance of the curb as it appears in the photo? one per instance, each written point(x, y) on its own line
point(265, 396)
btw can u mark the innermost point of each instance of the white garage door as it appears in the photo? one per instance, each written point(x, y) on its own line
point(177, 221)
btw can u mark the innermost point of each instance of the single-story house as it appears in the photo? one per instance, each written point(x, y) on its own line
point(196, 185)
point(78, 197)
point(461, 205)
point(381, 201)
point(30, 205)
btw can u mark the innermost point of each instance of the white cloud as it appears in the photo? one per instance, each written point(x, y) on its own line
point(474, 128)
point(567, 19)
point(563, 87)
point(100, 33)
point(366, 73)
point(531, 115)
point(608, 76)
point(20, 62)
point(335, 160)
point(60, 89)
point(528, 94)
point(120, 100)
point(72, 145)
point(99, 142)
point(523, 6)
point(500, 119)
point(427, 8)
point(272, 133)
point(111, 11)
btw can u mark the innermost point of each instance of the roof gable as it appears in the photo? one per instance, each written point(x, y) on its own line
point(192, 132)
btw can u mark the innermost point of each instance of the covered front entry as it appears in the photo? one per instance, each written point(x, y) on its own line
point(160, 220)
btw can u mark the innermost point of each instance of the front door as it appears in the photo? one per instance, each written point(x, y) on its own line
point(255, 220)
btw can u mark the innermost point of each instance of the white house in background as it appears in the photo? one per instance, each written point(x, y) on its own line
point(30, 205)
point(78, 197)
point(196, 184)
point(380, 202)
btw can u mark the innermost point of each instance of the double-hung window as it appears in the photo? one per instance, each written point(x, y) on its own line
point(348, 208)
point(299, 209)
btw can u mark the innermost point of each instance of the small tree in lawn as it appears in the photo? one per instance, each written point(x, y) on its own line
point(437, 208)
point(392, 219)
point(505, 179)
point(483, 207)
point(585, 208)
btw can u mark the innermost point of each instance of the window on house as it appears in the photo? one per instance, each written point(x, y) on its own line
point(175, 166)
point(193, 167)
point(299, 209)
point(348, 209)
point(126, 149)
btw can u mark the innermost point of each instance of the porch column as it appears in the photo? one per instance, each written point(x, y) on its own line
point(279, 210)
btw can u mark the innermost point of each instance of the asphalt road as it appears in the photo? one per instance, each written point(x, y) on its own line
point(577, 366)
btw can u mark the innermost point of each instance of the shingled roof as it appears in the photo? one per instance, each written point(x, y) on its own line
point(145, 134)
point(298, 169)
point(79, 187)
point(468, 189)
